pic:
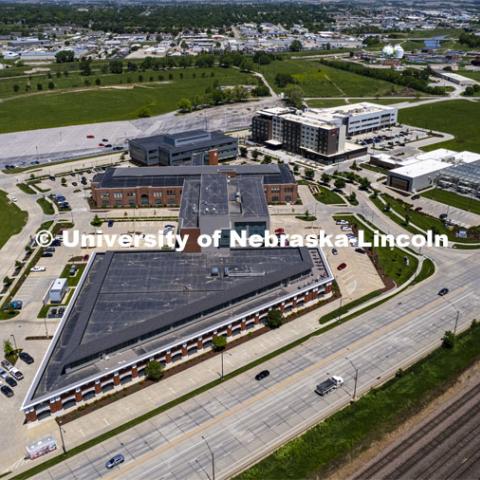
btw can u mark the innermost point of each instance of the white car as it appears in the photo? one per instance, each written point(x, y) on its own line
point(38, 269)
point(342, 222)
point(346, 228)
point(13, 199)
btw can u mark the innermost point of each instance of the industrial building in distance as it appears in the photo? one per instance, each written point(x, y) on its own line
point(132, 307)
point(163, 186)
point(321, 134)
point(183, 148)
point(447, 169)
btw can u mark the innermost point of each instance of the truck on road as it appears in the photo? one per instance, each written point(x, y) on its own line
point(328, 385)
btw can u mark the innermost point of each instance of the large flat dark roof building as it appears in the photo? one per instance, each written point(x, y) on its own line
point(131, 307)
point(184, 148)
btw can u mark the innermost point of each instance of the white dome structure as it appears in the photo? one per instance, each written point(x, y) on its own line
point(388, 50)
point(398, 51)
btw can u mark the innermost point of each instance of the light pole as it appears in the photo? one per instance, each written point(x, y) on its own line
point(457, 316)
point(59, 422)
point(356, 379)
point(14, 341)
point(221, 355)
point(340, 308)
point(212, 455)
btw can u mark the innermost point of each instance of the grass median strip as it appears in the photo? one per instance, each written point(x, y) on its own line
point(453, 199)
point(353, 429)
point(46, 206)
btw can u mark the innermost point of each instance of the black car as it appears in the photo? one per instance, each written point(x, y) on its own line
point(360, 250)
point(47, 254)
point(27, 358)
point(443, 292)
point(7, 391)
point(11, 381)
point(263, 374)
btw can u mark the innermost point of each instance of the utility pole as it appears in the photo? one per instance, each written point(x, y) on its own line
point(59, 422)
point(221, 354)
point(212, 456)
point(456, 322)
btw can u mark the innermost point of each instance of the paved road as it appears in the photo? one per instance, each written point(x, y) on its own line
point(244, 419)
point(445, 446)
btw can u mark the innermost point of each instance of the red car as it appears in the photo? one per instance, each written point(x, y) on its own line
point(279, 231)
point(101, 145)
point(90, 136)
point(342, 266)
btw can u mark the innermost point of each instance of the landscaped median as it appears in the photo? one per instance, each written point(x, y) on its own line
point(353, 429)
point(453, 199)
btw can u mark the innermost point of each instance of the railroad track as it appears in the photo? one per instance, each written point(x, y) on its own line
point(372, 471)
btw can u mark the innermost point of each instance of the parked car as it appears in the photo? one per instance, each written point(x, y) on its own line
point(279, 231)
point(342, 266)
point(90, 136)
point(47, 254)
point(334, 251)
point(104, 139)
point(8, 379)
point(114, 461)
point(16, 304)
point(360, 250)
point(110, 223)
point(443, 292)
point(26, 357)
point(261, 375)
point(329, 385)
point(15, 372)
point(7, 391)
point(6, 364)
point(38, 269)
point(342, 222)
point(75, 184)
point(346, 228)
point(73, 270)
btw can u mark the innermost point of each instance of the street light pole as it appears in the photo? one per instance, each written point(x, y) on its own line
point(221, 354)
point(14, 341)
point(213, 457)
point(59, 422)
point(456, 322)
point(356, 379)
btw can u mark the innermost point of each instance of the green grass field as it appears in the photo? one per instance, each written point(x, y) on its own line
point(390, 261)
point(453, 199)
point(328, 197)
point(123, 102)
point(356, 427)
point(470, 74)
point(46, 206)
point(318, 80)
point(458, 117)
point(12, 219)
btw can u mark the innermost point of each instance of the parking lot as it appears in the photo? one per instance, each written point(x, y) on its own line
point(388, 139)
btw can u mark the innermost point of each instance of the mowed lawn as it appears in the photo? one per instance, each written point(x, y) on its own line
point(453, 199)
point(318, 80)
point(123, 102)
point(12, 219)
point(461, 118)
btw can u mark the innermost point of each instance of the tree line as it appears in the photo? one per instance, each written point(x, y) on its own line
point(410, 77)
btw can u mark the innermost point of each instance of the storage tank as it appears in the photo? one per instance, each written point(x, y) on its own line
point(387, 50)
point(398, 51)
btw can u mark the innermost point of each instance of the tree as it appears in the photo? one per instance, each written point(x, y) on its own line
point(154, 370)
point(339, 183)
point(39, 87)
point(7, 281)
point(65, 56)
point(255, 154)
point(448, 340)
point(274, 319)
point(364, 183)
point(243, 151)
point(309, 174)
point(246, 65)
point(51, 85)
point(326, 178)
point(85, 68)
point(296, 169)
point(115, 66)
point(98, 82)
point(296, 46)
point(352, 198)
point(8, 348)
point(96, 221)
point(267, 159)
point(16, 88)
point(185, 105)
point(219, 343)
point(294, 96)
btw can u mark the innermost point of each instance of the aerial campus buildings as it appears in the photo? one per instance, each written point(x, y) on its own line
point(321, 134)
point(183, 148)
point(134, 306)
